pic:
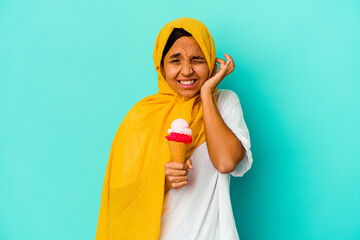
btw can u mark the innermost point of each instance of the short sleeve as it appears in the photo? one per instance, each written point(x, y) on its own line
point(230, 110)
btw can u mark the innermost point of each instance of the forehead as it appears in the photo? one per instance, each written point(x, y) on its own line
point(185, 46)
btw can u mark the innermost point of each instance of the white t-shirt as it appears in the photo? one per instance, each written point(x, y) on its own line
point(202, 210)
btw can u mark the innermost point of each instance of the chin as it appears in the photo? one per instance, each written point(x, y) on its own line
point(188, 94)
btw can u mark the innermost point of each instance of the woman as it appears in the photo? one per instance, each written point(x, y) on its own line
point(145, 195)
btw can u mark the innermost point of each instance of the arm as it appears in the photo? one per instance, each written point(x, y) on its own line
point(225, 149)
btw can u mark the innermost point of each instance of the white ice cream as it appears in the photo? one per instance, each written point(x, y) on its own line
point(180, 126)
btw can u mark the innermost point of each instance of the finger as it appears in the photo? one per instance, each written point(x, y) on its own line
point(214, 70)
point(228, 57)
point(222, 72)
point(179, 185)
point(177, 179)
point(220, 60)
point(223, 64)
point(175, 172)
point(229, 66)
point(175, 165)
point(232, 63)
point(189, 163)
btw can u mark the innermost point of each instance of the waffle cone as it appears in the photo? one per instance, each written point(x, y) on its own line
point(177, 150)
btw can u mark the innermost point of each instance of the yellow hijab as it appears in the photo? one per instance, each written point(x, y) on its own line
point(133, 190)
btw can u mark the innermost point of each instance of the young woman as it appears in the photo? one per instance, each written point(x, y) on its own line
point(145, 195)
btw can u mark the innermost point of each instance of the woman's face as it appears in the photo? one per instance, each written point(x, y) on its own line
point(185, 68)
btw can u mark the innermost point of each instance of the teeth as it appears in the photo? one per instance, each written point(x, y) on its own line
point(187, 82)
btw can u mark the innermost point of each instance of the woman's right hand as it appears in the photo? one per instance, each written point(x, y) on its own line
point(176, 174)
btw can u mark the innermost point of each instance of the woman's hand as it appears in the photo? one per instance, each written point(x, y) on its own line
point(216, 77)
point(176, 174)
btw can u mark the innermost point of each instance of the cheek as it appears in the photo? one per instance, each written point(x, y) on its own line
point(171, 73)
point(202, 71)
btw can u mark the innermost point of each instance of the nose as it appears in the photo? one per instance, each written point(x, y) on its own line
point(187, 69)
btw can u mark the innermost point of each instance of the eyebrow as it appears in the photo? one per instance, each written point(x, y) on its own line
point(175, 55)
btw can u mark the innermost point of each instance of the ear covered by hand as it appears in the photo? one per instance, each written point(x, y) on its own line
point(225, 68)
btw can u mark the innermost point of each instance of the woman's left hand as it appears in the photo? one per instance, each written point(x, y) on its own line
point(216, 77)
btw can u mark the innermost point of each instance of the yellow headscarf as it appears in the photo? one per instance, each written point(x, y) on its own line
point(133, 190)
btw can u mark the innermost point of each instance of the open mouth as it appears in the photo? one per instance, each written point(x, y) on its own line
point(188, 83)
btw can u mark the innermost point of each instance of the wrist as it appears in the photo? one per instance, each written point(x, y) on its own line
point(206, 93)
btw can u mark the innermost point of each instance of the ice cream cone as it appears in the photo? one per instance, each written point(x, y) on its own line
point(177, 150)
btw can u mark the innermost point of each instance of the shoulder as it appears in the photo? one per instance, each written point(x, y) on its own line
point(139, 114)
point(227, 99)
point(224, 95)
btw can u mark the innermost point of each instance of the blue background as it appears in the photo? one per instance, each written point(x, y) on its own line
point(70, 71)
